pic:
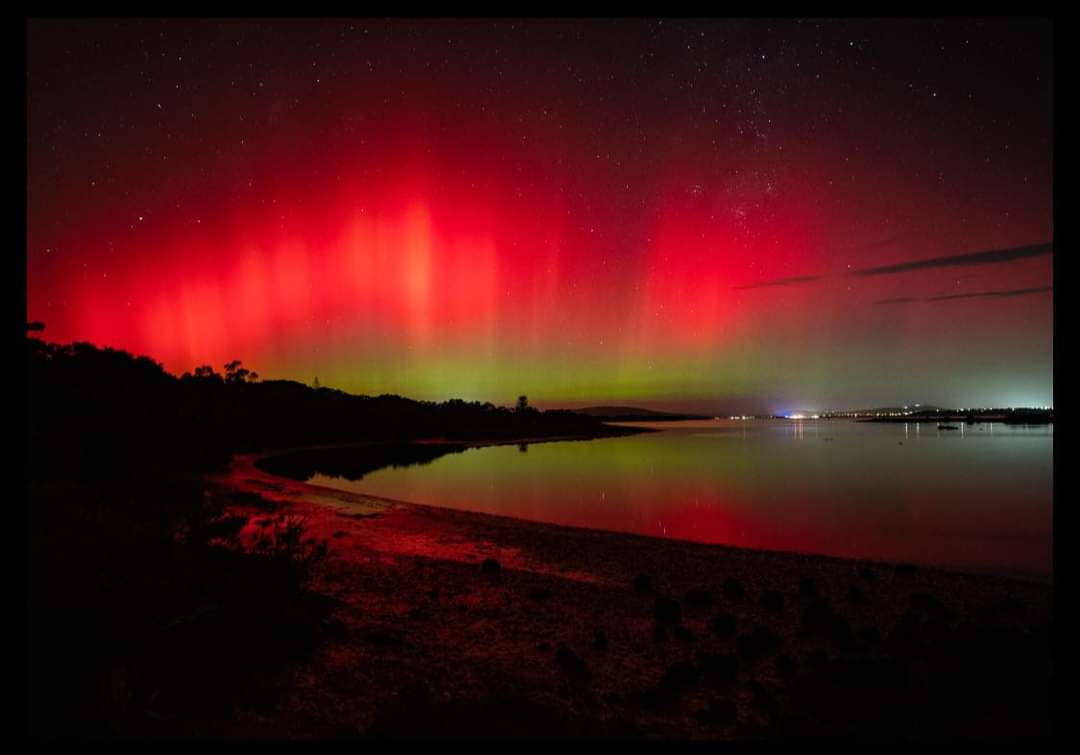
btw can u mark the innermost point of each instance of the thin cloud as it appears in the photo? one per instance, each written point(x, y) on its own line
point(792, 281)
point(898, 300)
point(955, 260)
point(981, 295)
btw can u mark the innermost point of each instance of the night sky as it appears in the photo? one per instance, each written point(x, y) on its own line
point(711, 215)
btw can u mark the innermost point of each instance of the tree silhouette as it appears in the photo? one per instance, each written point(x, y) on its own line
point(235, 373)
point(522, 404)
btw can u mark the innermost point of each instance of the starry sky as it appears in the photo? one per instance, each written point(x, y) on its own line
point(708, 215)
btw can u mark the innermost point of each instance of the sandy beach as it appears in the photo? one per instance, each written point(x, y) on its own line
point(450, 623)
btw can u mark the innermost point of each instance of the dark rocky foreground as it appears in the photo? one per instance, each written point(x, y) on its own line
point(452, 624)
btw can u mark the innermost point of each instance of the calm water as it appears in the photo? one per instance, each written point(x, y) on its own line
point(978, 499)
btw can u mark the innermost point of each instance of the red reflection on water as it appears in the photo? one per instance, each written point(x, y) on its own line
point(978, 503)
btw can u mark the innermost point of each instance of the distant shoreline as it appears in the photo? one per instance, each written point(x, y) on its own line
point(954, 419)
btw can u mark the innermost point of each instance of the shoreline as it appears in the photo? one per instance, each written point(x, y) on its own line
point(268, 478)
point(957, 419)
point(444, 615)
point(260, 481)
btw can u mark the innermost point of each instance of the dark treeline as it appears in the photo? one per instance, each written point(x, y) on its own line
point(102, 412)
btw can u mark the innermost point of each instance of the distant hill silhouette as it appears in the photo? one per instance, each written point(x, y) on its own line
point(628, 413)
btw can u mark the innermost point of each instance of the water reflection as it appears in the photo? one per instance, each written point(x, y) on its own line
point(979, 500)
